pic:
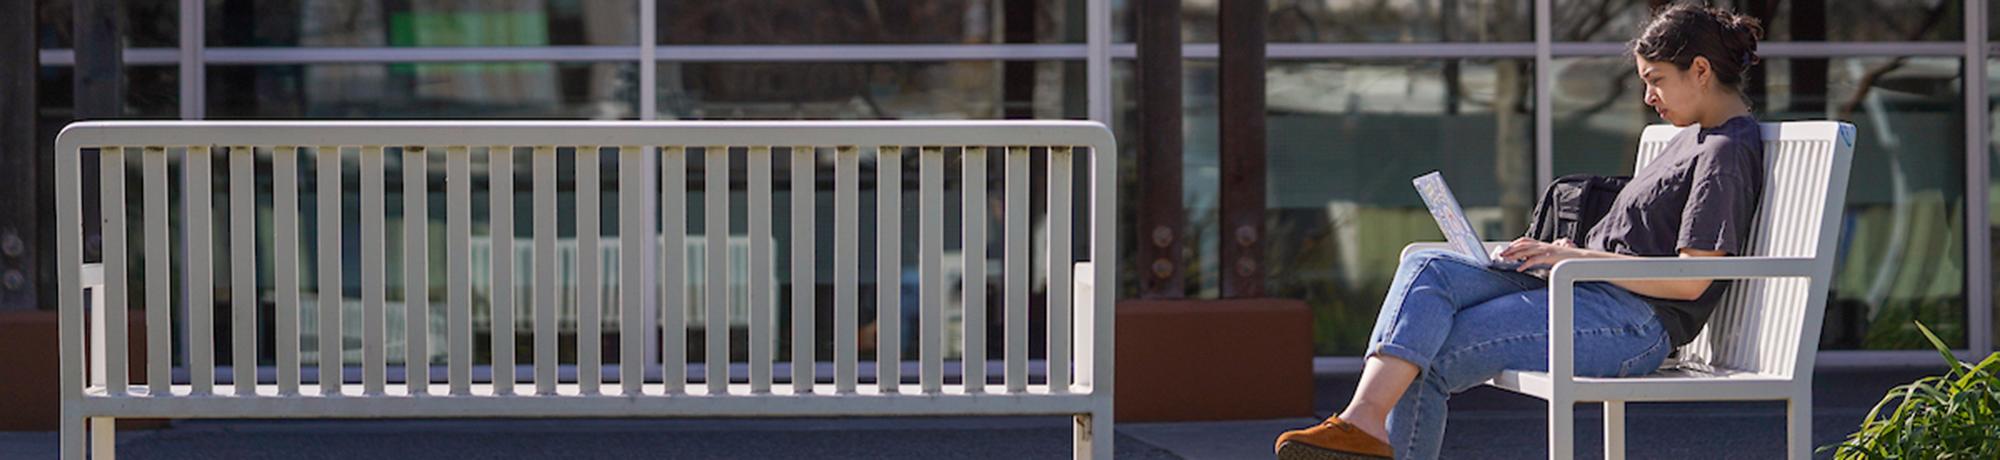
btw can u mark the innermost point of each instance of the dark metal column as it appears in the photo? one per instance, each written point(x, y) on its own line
point(1157, 204)
point(99, 93)
point(21, 191)
point(1242, 113)
point(1017, 78)
point(100, 59)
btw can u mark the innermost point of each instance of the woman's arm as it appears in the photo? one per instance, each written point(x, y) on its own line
point(1534, 253)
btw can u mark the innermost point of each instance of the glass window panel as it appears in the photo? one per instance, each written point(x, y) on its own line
point(149, 23)
point(304, 23)
point(1599, 20)
point(742, 22)
point(1359, 21)
point(150, 92)
point(872, 90)
point(1784, 20)
point(866, 90)
point(1993, 186)
point(1338, 227)
point(1901, 256)
point(449, 90)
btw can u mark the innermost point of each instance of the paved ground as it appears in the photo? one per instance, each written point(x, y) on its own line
point(1484, 423)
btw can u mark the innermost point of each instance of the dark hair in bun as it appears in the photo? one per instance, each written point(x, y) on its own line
point(1679, 33)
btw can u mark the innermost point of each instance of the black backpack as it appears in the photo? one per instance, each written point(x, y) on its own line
point(1573, 204)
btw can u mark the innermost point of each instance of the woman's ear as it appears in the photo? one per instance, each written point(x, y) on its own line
point(1700, 70)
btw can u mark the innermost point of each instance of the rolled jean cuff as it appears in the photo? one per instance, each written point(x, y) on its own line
point(1402, 353)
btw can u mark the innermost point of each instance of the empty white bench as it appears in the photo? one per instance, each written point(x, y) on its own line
point(1763, 337)
point(651, 160)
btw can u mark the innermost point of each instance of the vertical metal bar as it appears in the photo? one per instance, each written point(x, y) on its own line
point(1162, 222)
point(68, 228)
point(416, 270)
point(649, 69)
point(374, 281)
point(1019, 251)
point(1061, 163)
point(196, 199)
point(1097, 59)
point(243, 269)
point(804, 288)
point(1544, 82)
point(648, 60)
point(458, 260)
point(847, 217)
point(762, 323)
point(159, 259)
point(500, 183)
point(111, 170)
point(285, 254)
point(589, 302)
point(193, 55)
point(889, 268)
point(545, 269)
point(715, 219)
point(975, 221)
point(1978, 180)
point(1241, 102)
point(1103, 304)
point(931, 238)
point(632, 233)
point(328, 254)
point(673, 269)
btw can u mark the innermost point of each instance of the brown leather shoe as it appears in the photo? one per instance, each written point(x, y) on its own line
point(1332, 440)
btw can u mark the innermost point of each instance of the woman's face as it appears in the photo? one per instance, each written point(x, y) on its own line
point(1674, 93)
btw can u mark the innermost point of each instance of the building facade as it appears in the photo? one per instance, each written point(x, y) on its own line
point(1360, 94)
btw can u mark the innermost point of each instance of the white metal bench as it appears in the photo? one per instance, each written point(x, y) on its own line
point(1079, 371)
point(1761, 341)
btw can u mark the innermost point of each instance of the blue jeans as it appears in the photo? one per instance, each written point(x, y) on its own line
point(1461, 324)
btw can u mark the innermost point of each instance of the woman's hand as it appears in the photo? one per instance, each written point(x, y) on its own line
point(1534, 254)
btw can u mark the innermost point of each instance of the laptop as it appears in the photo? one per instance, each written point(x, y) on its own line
point(1458, 232)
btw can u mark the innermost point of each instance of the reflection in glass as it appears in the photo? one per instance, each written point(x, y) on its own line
point(339, 23)
point(871, 90)
point(758, 22)
point(1200, 172)
point(1993, 168)
point(1901, 256)
point(1346, 137)
point(1784, 20)
point(148, 23)
point(452, 90)
point(1360, 21)
point(150, 92)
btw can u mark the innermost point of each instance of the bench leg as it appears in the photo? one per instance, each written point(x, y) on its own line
point(1093, 436)
point(103, 438)
point(1614, 430)
point(70, 442)
point(1798, 427)
point(1562, 429)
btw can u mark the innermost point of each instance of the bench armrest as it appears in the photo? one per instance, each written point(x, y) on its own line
point(1564, 276)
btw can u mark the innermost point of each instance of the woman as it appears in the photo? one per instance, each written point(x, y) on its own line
point(1450, 323)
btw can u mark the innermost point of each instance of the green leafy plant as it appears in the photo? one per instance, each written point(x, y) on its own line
point(1952, 416)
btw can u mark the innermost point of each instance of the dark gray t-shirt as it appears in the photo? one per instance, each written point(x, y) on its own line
point(1700, 193)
